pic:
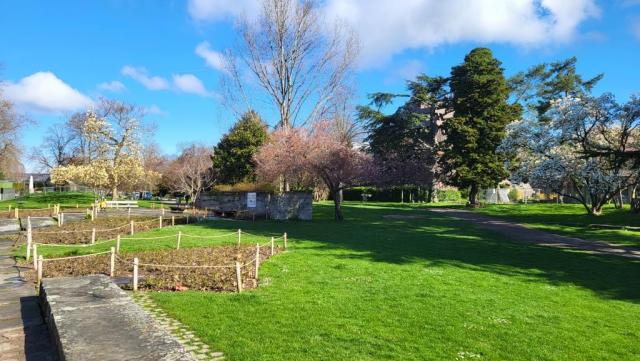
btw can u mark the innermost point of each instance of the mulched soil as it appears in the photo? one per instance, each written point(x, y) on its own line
point(23, 213)
point(106, 228)
point(164, 278)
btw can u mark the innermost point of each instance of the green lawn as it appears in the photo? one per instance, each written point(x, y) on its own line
point(427, 287)
point(42, 200)
point(571, 220)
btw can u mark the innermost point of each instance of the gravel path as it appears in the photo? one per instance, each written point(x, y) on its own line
point(519, 232)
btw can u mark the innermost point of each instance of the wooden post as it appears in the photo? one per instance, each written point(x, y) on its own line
point(35, 256)
point(257, 258)
point(131, 228)
point(179, 239)
point(239, 235)
point(112, 269)
point(129, 213)
point(118, 244)
point(284, 237)
point(29, 241)
point(77, 205)
point(187, 219)
point(160, 221)
point(135, 274)
point(39, 271)
point(163, 211)
point(173, 220)
point(238, 277)
point(16, 213)
point(93, 236)
point(92, 215)
point(59, 221)
point(272, 245)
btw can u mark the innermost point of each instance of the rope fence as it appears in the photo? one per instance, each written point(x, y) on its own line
point(245, 270)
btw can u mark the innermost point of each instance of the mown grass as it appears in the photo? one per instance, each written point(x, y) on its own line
point(571, 220)
point(422, 288)
point(43, 200)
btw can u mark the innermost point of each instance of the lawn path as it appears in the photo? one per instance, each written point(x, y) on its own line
point(519, 232)
point(23, 333)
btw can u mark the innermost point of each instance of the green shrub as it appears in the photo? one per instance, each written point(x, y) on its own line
point(449, 195)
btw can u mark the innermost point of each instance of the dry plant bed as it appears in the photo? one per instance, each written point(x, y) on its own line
point(105, 229)
point(165, 278)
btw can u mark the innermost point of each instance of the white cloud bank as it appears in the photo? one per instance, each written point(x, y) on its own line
point(214, 59)
point(44, 92)
point(142, 76)
point(189, 83)
point(112, 86)
point(388, 27)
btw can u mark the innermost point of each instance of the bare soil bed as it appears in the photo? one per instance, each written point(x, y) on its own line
point(79, 232)
point(154, 276)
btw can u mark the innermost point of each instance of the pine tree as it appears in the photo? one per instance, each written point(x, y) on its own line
point(233, 156)
point(481, 114)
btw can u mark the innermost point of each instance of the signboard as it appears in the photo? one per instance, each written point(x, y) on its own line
point(251, 200)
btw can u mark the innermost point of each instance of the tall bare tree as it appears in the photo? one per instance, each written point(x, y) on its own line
point(56, 148)
point(11, 124)
point(300, 63)
point(192, 172)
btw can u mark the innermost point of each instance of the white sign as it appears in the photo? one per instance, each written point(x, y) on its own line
point(251, 200)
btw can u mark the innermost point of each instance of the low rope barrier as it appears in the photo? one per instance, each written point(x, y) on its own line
point(72, 257)
point(218, 236)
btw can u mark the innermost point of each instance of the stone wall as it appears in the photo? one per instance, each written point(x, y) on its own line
point(288, 205)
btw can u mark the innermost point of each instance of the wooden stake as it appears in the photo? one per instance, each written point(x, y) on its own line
point(35, 256)
point(131, 228)
point(16, 213)
point(238, 277)
point(93, 236)
point(173, 220)
point(179, 239)
point(118, 244)
point(39, 271)
point(257, 259)
point(272, 245)
point(187, 219)
point(59, 221)
point(135, 274)
point(112, 269)
point(160, 221)
point(285, 240)
point(62, 219)
point(29, 241)
point(163, 211)
point(239, 235)
point(129, 212)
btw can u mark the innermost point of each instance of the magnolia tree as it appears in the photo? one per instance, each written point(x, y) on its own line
point(586, 151)
point(303, 156)
point(113, 160)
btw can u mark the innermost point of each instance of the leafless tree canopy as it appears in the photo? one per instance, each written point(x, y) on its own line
point(192, 172)
point(10, 126)
point(300, 65)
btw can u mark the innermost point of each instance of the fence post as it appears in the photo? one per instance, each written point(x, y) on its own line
point(238, 277)
point(112, 269)
point(160, 221)
point(39, 271)
point(173, 220)
point(129, 213)
point(163, 211)
point(35, 256)
point(16, 213)
point(285, 240)
point(93, 236)
point(257, 259)
point(29, 237)
point(187, 219)
point(131, 228)
point(118, 244)
point(272, 245)
point(179, 238)
point(239, 235)
point(59, 221)
point(135, 274)
point(62, 219)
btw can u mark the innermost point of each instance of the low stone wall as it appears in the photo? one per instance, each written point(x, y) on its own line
point(288, 205)
point(90, 318)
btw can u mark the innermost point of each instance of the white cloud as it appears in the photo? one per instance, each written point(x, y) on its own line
point(112, 86)
point(141, 75)
point(211, 10)
point(44, 92)
point(214, 59)
point(189, 83)
point(388, 27)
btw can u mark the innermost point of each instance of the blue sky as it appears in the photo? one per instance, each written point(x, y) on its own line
point(58, 56)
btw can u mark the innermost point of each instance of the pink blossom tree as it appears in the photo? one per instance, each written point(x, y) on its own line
point(304, 155)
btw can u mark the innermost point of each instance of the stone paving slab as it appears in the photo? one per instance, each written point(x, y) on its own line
point(518, 232)
point(9, 226)
point(93, 319)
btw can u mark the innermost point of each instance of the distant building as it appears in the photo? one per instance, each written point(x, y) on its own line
point(6, 190)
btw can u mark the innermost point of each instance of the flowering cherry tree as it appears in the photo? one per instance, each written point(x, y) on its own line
point(587, 151)
point(303, 156)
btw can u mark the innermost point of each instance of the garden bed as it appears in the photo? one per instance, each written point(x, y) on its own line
point(203, 269)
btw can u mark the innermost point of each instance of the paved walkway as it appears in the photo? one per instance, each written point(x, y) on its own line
point(519, 232)
point(23, 333)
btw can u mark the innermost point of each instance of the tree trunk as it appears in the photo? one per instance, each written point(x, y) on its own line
point(114, 193)
point(473, 195)
point(337, 202)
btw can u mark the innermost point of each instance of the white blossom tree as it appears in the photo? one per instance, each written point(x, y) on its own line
point(586, 151)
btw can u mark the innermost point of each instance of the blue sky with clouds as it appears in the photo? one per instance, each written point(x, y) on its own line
point(59, 56)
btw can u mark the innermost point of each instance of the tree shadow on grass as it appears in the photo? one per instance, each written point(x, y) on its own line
point(439, 239)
